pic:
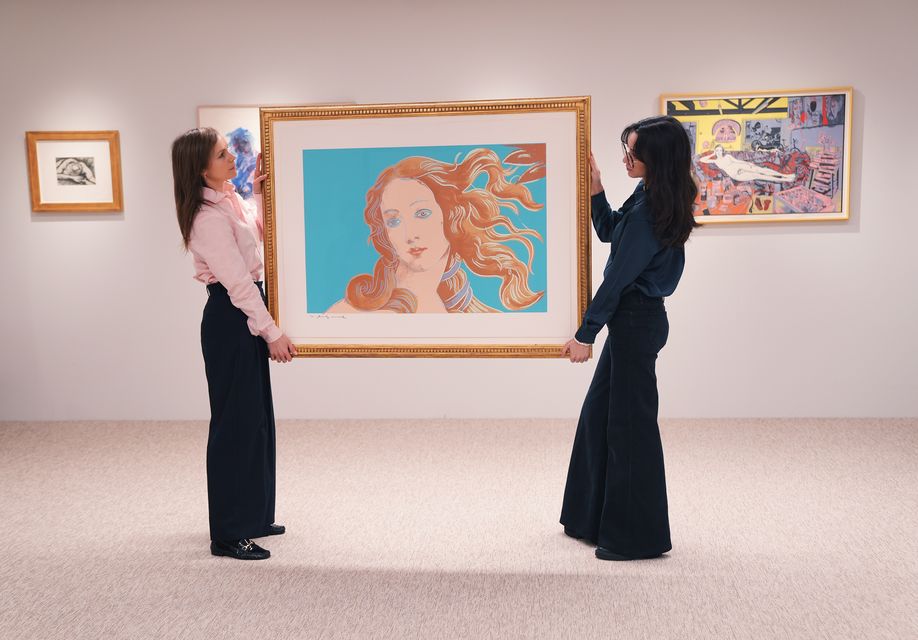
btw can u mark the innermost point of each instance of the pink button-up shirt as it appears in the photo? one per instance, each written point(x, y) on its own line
point(225, 241)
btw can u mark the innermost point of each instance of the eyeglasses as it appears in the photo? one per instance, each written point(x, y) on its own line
point(629, 154)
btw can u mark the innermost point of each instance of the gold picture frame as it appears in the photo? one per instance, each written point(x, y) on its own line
point(292, 135)
point(75, 171)
point(769, 156)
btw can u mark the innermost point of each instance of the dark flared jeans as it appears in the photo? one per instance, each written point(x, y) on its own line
point(241, 441)
point(616, 485)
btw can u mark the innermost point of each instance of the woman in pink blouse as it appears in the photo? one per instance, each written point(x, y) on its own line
point(238, 335)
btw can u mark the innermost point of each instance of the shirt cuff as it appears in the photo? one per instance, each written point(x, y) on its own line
point(583, 337)
point(272, 333)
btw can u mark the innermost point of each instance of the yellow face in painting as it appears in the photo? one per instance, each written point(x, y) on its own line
point(414, 224)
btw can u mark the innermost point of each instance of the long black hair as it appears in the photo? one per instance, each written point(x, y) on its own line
point(663, 146)
point(190, 157)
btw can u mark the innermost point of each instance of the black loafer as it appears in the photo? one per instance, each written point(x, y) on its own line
point(275, 530)
point(243, 549)
point(604, 554)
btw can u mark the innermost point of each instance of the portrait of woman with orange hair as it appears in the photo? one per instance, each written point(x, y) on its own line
point(442, 229)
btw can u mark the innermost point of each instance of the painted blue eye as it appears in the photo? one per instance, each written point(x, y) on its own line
point(393, 222)
point(423, 213)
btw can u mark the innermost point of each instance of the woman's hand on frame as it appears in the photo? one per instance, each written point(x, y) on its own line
point(259, 177)
point(282, 349)
point(595, 177)
point(576, 352)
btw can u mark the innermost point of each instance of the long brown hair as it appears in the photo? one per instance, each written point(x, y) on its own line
point(473, 223)
point(190, 157)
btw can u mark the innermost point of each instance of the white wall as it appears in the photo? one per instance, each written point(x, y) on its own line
point(100, 315)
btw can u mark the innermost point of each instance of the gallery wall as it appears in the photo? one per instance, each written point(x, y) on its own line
point(100, 314)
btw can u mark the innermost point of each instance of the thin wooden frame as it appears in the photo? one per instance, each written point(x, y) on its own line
point(845, 196)
point(116, 204)
point(579, 106)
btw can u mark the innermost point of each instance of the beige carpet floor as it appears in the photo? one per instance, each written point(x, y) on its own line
point(449, 529)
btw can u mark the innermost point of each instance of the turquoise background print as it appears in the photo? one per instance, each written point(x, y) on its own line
point(335, 184)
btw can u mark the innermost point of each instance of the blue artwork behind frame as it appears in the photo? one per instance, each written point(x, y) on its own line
point(335, 185)
point(241, 143)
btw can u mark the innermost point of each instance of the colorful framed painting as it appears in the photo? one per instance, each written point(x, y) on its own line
point(779, 156)
point(74, 171)
point(239, 125)
point(454, 229)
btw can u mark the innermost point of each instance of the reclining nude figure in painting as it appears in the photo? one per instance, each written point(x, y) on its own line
point(427, 220)
point(743, 171)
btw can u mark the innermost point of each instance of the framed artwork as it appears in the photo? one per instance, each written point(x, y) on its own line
point(74, 171)
point(455, 229)
point(240, 126)
point(779, 156)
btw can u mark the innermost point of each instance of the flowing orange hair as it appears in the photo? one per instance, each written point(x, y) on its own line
point(474, 225)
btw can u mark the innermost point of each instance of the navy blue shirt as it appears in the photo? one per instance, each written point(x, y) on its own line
point(637, 259)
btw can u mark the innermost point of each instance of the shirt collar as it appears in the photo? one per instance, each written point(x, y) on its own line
point(639, 191)
point(213, 197)
point(636, 197)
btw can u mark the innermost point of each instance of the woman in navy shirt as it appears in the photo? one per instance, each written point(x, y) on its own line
point(616, 487)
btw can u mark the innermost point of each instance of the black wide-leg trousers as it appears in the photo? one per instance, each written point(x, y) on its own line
point(616, 486)
point(241, 441)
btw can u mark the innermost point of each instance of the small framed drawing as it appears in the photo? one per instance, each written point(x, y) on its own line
point(776, 156)
point(75, 171)
point(456, 229)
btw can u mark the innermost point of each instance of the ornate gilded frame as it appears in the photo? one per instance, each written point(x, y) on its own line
point(579, 106)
